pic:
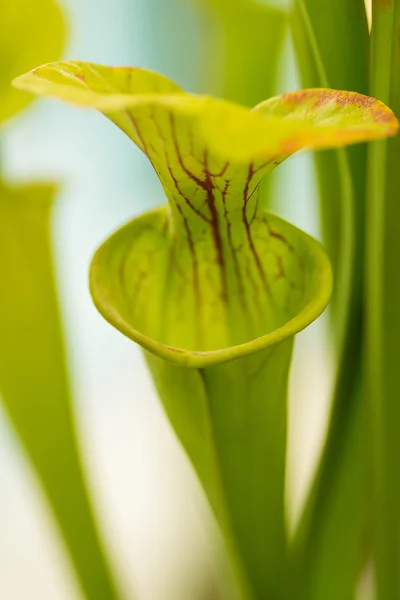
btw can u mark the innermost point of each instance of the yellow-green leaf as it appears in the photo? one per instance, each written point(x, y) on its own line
point(31, 32)
point(140, 102)
point(33, 378)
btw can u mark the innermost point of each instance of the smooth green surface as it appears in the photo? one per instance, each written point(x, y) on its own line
point(237, 448)
point(335, 511)
point(382, 297)
point(33, 378)
point(341, 176)
point(242, 48)
point(31, 32)
point(340, 546)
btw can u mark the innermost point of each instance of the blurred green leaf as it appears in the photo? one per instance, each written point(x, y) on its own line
point(31, 32)
point(244, 43)
point(382, 308)
point(326, 528)
point(33, 378)
point(316, 27)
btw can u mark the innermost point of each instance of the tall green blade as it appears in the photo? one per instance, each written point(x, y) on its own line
point(382, 302)
point(332, 514)
point(30, 33)
point(341, 176)
point(33, 378)
point(242, 50)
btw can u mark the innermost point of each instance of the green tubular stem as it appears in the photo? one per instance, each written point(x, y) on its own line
point(346, 260)
point(342, 425)
point(382, 302)
point(253, 36)
point(347, 281)
point(231, 420)
point(337, 457)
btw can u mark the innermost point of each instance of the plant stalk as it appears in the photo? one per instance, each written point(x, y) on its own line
point(336, 494)
point(382, 299)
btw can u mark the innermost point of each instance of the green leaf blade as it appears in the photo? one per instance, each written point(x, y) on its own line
point(30, 33)
point(382, 323)
point(315, 25)
point(33, 378)
point(244, 44)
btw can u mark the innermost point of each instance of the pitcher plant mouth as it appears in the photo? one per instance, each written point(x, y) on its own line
point(113, 300)
point(212, 276)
